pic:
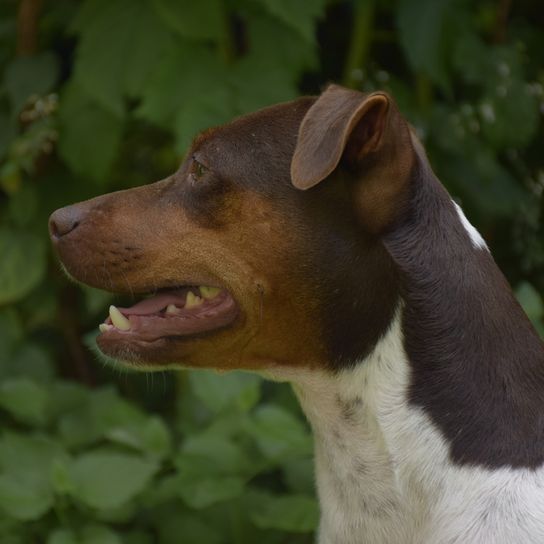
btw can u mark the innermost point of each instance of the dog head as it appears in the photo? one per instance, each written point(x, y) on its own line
point(263, 249)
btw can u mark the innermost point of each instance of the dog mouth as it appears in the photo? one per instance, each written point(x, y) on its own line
point(181, 312)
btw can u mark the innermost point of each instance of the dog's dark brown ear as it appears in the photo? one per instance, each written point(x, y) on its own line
point(367, 134)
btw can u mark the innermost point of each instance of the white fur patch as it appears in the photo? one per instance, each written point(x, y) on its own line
point(384, 475)
point(475, 236)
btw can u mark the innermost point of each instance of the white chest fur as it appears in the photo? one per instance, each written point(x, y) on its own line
point(384, 475)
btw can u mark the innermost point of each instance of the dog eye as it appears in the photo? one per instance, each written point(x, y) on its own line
point(197, 169)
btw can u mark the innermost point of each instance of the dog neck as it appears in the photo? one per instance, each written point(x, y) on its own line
point(355, 452)
point(444, 407)
point(385, 472)
point(476, 362)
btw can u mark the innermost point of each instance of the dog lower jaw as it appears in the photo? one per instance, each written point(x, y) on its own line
point(131, 353)
point(162, 353)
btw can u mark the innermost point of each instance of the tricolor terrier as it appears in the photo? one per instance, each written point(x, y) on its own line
point(311, 242)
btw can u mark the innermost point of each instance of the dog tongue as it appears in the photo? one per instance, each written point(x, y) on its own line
point(156, 303)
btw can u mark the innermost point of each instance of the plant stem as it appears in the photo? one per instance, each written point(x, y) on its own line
point(501, 23)
point(27, 26)
point(226, 43)
point(361, 38)
point(424, 92)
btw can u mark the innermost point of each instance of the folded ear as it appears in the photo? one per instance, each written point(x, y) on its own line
point(365, 134)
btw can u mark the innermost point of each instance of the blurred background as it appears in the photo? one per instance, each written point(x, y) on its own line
point(98, 95)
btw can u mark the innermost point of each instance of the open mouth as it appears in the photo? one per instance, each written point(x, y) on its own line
point(172, 313)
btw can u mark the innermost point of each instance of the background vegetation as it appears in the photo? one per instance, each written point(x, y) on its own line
point(97, 95)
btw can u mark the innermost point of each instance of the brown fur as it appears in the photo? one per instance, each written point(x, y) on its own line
point(280, 252)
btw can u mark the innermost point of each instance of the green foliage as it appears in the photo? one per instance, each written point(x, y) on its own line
point(296, 513)
point(98, 457)
point(23, 256)
point(109, 96)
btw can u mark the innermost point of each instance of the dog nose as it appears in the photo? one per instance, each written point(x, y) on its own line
point(64, 220)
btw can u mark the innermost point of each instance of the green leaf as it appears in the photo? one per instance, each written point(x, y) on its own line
point(61, 479)
point(68, 398)
point(90, 534)
point(26, 400)
point(86, 416)
point(194, 530)
point(163, 490)
point(484, 181)
point(192, 88)
point(7, 132)
point(11, 333)
point(291, 54)
point(255, 89)
point(423, 37)
point(96, 300)
point(188, 91)
point(89, 134)
point(530, 300)
point(294, 513)
point(62, 536)
point(211, 469)
point(107, 479)
point(23, 263)
point(279, 434)
point(110, 410)
point(99, 534)
point(76, 429)
point(23, 205)
point(473, 59)
point(194, 20)
point(138, 537)
point(300, 16)
point(203, 111)
point(219, 392)
point(151, 437)
point(486, 65)
point(120, 43)
point(29, 455)
point(299, 475)
point(31, 361)
point(511, 104)
point(212, 454)
point(26, 466)
point(26, 76)
point(205, 491)
point(22, 500)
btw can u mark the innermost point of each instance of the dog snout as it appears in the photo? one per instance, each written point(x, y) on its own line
point(65, 220)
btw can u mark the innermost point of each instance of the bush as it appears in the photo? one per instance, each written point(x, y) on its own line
point(97, 95)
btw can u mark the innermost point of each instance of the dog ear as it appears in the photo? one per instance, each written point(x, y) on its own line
point(367, 135)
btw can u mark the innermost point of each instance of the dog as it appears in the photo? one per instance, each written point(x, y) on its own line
point(312, 243)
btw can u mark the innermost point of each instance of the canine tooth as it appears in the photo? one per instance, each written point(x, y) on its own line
point(171, 309)
point(118, 319)
point(209, 292)
point(192, 300)
point(104, 327)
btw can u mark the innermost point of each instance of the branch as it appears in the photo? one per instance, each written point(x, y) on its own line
point(68, 319)
point(361, 38)
point(27, 26)
point(501, 23)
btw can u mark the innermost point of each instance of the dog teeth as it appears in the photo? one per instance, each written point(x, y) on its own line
point(118, 319)
point(209, 292)
point(171, 309)
point(104, 327)
point(192, 300)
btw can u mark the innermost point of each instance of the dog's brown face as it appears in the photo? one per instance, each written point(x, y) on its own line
point(232, 264)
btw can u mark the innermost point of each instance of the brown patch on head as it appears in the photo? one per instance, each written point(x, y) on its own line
point(313, 284)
